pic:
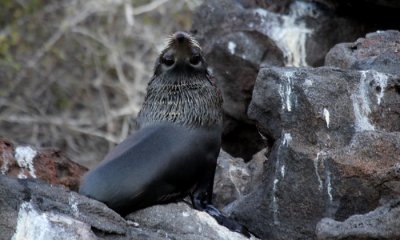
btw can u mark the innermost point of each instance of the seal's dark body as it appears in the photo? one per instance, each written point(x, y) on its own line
point(158, 164)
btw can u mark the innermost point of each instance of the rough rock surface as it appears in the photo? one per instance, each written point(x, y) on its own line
point(382, 223)
point(32, 209)
point(381, 3)
point(337, 141)
point(50, 165)
point(249, 33)
point(234, 178)
point(329, 100)
point(378, 50)
point(180, 221)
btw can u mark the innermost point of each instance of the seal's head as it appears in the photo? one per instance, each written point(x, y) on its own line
point(182, 53)
point(181, 90)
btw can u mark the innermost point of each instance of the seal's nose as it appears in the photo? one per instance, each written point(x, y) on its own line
point(180, 37)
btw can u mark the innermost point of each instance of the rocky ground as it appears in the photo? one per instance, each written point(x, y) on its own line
point(36, 206)
point(312, 110)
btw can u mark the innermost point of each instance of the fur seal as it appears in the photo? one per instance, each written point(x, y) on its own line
point(175, 150)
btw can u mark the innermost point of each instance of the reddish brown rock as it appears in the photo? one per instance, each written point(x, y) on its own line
point(47, 164)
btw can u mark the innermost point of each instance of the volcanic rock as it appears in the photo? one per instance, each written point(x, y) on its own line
point(50, 165)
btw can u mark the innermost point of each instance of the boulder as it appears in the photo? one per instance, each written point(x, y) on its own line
point(33, 209)
point(180, 221)
point(378, 50)
point(50, 165)
point(324, 105)
point(238, 37)
point(335, 152)
point(381, 223)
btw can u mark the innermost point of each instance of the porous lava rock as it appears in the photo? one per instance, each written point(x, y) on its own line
point(47, 164)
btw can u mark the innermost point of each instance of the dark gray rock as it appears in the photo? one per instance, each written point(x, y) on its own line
point(271, 5)
point(28, 201)
point(305, 183)
point(382, 223)
point(335, 152)
point(379, 51)
point(32, 209)
point(235, 179)
point(373, 14)
point(360, 3)
point(274, 32)
point(180, 221)
point(237, 37)
point(324, 106)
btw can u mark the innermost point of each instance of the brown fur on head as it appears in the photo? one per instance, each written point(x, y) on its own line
point(181, 38)
point(181, 52)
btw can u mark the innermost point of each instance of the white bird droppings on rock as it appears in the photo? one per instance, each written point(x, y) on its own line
point(185, 214)
point(316, 168)
point(24, 156)
point(275, 207)
point(232, 47)
point(280, 171)
point(326, 116)
point(36, 225)
point(285, 91)
point(283, 169)
point(291, 33)
point(329, 184)
point(382, 83)
point(4, 167)
point(308, 83)
point(287, 138)
point(361, 105)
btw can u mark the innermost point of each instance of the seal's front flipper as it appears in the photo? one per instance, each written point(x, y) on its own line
point(202, 194)
point(225, 221)
point(201, 200)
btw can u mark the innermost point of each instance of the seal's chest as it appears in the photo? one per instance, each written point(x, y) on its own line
point(189, 104)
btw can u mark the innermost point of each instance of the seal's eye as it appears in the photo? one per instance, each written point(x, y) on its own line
point(167, 60)
point(194, 60)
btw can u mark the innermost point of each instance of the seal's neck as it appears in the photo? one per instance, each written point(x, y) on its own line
point(187, 100)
